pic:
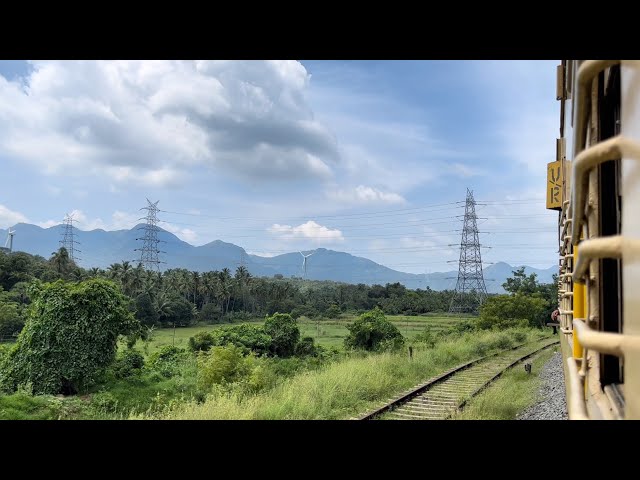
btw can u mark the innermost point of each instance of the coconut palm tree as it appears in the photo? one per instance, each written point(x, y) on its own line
point(61, 261)
point(225, 285)
point(195, 285)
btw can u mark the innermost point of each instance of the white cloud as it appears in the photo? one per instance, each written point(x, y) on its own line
point(261, 253)
point(362, 165)
point(365, 195)
point(9, 218)
point(123, 220)
point(119, 221)
point(309, 230)
point(185, 234)
point(148, 121)
point(48, 223)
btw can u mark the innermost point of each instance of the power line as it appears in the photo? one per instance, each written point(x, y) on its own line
point(377, 213)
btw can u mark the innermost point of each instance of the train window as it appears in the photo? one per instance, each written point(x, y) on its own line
point(610, 223)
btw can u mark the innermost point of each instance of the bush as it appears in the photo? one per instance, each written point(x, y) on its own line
point(4, 350)
point(519, 336)
point(373, 332)
point(333, 311)
point(210, 313)
point(240, 316)
point(166, 361)
point(464, 326)
point(306, 347)
point(304, 311)
point(201, 342)
point(223, 365)
point(426, 337)
point(284, 333)
point(128, 364)
point(104, 402)
point(249, 338)
point(70, 337)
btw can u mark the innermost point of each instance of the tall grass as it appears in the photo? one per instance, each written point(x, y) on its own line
point(509, 395)
point(351, 386)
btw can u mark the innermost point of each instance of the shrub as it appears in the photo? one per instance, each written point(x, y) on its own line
point(249, 338)
point(426, 337)
point(306, 347)
point(166, 361)
point(201, 342)
point(240, 316)
point(104, 402)
point(128, 364)
point(519, 336)
point(222, 365)
point(373, 332)
point(284, 333)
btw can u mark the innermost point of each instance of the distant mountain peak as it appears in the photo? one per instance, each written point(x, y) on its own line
point(101, 248)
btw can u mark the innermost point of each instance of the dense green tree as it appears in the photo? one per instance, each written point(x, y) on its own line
point(11, 323)
point(521, 283)
point(210, 313)
point(284, 333)
point(181, 312)
point(69, 338)
point(250, 338)
point(145, 310)
point(333, 311)
point(503, 311)
point(61, 262)
point(373, 332)
point(219, 296)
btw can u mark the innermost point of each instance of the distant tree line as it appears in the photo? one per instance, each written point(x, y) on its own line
point(179, 297)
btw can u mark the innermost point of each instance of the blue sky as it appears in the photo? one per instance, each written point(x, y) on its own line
point(365, 157)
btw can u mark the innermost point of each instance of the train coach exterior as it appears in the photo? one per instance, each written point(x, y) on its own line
point(594, 184)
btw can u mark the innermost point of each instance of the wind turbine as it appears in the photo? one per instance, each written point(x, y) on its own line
point(9, 241)
point(304, 262)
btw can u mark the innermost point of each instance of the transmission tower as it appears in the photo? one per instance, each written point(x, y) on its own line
point(68, 241)
point(149, 251)
point(470, 290)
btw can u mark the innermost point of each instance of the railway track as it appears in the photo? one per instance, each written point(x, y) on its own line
point(440, 397)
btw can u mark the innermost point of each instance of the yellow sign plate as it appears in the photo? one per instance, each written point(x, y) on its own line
point(554, 186)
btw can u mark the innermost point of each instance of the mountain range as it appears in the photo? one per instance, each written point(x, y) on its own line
point(100, 248)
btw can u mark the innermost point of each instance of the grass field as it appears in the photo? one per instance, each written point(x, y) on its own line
point(351, 386)
point(329, 333)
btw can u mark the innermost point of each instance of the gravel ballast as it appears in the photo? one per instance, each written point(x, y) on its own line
point(553, 405)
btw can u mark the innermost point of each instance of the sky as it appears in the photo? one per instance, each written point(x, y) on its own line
point(372, 158)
